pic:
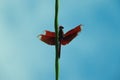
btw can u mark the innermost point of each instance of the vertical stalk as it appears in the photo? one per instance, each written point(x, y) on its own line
point(57, 40)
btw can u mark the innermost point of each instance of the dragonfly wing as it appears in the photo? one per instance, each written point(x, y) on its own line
point(48, 37)
point(70, 35)
point(49, 33)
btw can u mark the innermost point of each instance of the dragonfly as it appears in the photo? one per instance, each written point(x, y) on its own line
point(49, 37)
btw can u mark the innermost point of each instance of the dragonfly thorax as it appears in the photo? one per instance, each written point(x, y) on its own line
point(61, 33)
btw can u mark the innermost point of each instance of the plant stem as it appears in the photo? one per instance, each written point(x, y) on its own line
point(57, 40)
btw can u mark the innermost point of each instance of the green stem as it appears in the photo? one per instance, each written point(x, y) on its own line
point(57, 40)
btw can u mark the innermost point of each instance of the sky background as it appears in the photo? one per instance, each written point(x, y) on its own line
point(93, 55)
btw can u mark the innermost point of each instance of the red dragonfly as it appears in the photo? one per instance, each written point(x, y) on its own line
point(49, 37)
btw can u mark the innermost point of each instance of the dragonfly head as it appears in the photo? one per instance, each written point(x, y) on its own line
point(61, 27)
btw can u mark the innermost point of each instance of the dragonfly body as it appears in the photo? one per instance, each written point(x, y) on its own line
point(61, 37)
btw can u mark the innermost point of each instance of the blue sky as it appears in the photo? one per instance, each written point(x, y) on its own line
point(93, 55)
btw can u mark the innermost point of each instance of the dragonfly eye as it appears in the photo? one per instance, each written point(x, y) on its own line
point(61, 27)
